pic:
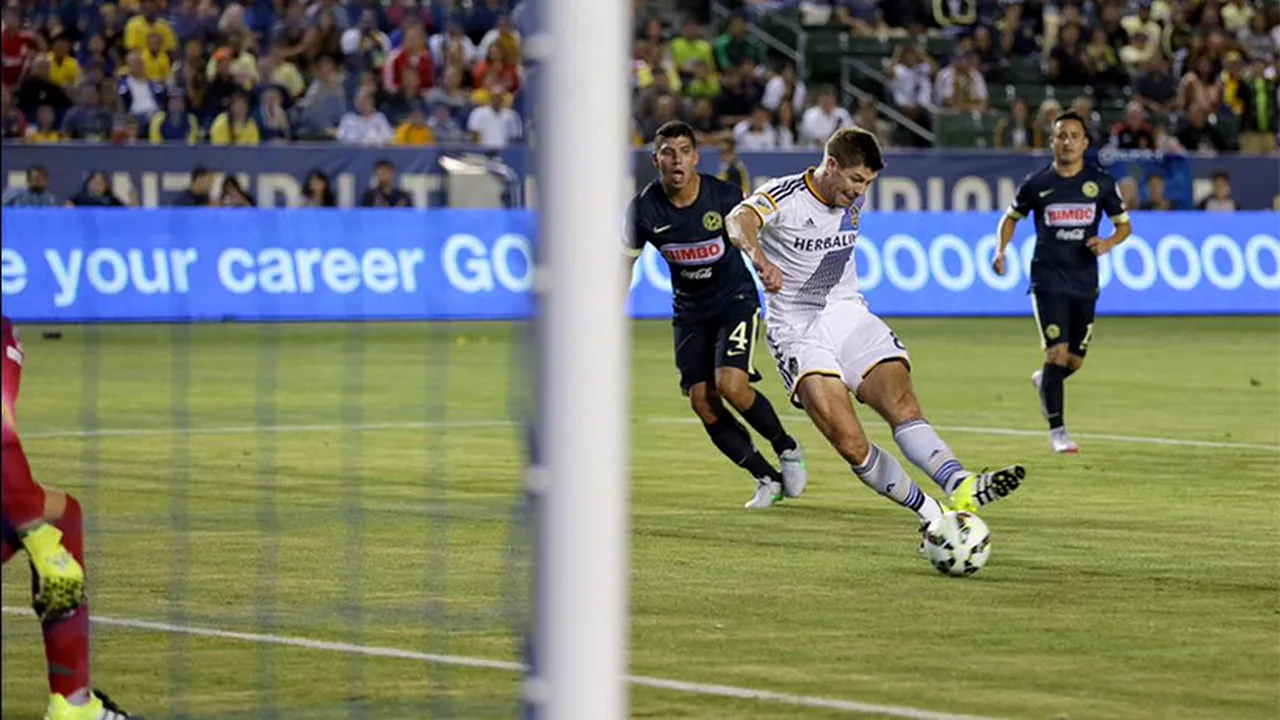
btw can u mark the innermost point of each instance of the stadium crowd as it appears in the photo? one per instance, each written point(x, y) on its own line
point(1188, 69)
point(421, 72)
point(263, 71)
point(417, 72)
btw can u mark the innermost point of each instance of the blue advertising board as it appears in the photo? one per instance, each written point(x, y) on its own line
point(926, 180)
point(190, 264)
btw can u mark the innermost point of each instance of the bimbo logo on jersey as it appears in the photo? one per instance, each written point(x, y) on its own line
point(1070, 214)
point(700, 253)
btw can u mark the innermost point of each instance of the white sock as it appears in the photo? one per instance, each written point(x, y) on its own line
point(882, 473)
point(922, 446)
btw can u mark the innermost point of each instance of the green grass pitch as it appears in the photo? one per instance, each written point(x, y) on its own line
point(1137, 580)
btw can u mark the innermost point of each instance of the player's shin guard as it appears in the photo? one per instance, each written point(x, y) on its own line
point(882, 473)
point(921, 445)
point(66, 638)
point(1051, 395)
point(734, 442)
point(764, 419)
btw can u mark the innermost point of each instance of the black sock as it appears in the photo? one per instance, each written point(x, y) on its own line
point(762, 417)
point(733, 440)
point(1051, 394)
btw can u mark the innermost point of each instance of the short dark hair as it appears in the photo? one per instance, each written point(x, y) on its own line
point(1073, 116)
point(199, 171)
point(1220, 175)
point(675, 129)
point(852, 147)
point(384, 163)
point(37, 169)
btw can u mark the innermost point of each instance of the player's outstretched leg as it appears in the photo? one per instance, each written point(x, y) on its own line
point(66, 635)
point(734, 385)
point(733, 440)
point(826, 400)
point(888, 389)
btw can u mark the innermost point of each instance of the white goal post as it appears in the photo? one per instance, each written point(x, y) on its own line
point(582, 133)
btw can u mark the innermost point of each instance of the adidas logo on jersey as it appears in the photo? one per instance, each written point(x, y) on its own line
point(809, 223)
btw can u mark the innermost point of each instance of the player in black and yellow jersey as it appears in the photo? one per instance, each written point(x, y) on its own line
point(1067, 201)
point(717, 310)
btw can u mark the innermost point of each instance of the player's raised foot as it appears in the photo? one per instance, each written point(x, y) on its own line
point(795, 476)
point(99, 707)
point(985, 488)
point(1036, 377)
point(768, 492)
point(1060, 442)
point(59, 578)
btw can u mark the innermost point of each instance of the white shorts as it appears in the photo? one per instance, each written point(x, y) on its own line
point(846, 341)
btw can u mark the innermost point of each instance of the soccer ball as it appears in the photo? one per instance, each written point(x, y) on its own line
point(958, 543)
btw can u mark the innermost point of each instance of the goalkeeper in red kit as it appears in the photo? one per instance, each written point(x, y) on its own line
point(47, 525)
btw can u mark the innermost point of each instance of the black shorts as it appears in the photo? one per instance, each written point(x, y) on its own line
point(1064, 319)
point(726, 339)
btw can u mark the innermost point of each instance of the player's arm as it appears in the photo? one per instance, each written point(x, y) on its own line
point(743, 228)
point(631, 246)
point(1022, 205)
point(1113, 205)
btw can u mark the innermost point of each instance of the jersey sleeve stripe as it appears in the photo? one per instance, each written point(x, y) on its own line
point(1120, 219)
point(769, 197)
point(1013, 213)
point(630, 252)
point(787, 189)
point(759, 214)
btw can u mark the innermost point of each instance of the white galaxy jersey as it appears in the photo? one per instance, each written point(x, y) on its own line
point(810, 242)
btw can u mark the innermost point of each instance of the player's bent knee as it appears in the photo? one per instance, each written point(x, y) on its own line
point(1057, 354)
point(735, 386)
point(705, 403)
point(1075, 362)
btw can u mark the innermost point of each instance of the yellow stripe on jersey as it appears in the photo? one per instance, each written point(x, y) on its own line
point(1121, 219)
point(1014, 214)
point(757, 211)
point(769, 197)
point(813, 187)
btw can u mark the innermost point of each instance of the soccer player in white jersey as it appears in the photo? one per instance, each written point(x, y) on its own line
point(800, 231)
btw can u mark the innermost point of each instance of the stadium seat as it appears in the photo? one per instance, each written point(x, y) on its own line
point(965, 130)
point(822, 54)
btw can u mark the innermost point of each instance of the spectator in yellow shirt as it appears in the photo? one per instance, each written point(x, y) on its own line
point(145, 23)
point(174, 124)
point(235, 126)
point(690, 49)
point(414, 130)
point(64, 69)
point(44, 132)
point(155, 61)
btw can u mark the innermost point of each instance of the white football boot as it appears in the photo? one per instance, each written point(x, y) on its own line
point(795, 477)
point(768, 492)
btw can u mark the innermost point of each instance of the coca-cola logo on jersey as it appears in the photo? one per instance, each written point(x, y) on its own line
point(700, 253)
point(1070, 214)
